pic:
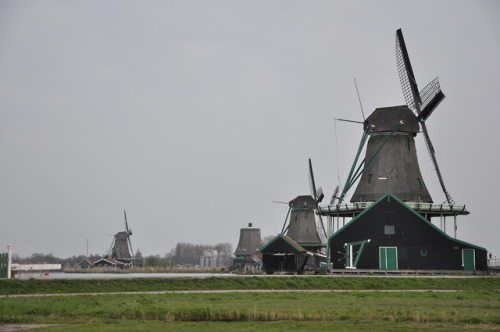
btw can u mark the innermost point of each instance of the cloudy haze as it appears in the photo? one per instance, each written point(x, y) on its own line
point(195, 115)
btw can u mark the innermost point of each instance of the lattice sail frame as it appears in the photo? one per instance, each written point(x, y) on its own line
point(406, 77)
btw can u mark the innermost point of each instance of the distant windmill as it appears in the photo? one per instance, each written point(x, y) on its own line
point(121, 247)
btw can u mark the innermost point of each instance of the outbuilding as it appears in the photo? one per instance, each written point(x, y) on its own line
point(284, 255)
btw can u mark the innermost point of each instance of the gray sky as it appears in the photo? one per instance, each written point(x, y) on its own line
point(195, 115)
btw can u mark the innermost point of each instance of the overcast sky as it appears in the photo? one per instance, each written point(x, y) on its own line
point(195, 115)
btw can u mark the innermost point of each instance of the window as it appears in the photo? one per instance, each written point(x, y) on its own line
point(407, 144)
point(423, 252)
point(389, 230)
point(419, 182)
point(370, 176)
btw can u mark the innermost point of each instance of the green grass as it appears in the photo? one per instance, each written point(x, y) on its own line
point(468, 310)
point(475, 307)
point(35, 286)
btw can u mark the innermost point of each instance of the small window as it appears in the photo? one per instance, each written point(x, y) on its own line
point(419, 182)
point(389, 230)
point(407, 144)
point(370, 176)
point(423, 252)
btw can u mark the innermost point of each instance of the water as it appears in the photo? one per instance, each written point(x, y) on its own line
point(62, 275)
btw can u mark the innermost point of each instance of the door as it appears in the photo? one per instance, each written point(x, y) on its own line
point(388, 258)
point(468, 259)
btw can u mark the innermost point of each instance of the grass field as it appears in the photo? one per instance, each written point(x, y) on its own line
point(54, 286)
point(475, 307)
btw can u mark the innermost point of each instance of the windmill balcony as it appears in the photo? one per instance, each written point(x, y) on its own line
point(423, 208)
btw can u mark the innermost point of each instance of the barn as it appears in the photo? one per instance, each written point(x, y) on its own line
point(389, 234)
point(284, 255)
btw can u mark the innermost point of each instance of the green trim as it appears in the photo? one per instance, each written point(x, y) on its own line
point(361, 245)
point(389, 196)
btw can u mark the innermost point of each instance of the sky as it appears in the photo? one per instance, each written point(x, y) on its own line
point(194, 116)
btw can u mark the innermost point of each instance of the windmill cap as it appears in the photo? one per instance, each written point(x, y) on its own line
point(305, 201)
point(385, 119)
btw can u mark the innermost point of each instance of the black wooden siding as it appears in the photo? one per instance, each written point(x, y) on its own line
point(412, 235)
point(279, 255)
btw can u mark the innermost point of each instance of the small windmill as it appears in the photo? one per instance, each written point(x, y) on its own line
point(121, 247)
point(423, 103)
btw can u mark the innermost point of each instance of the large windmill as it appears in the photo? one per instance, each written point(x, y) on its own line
point(121, 247)
point(391, 208)
point(391, 162)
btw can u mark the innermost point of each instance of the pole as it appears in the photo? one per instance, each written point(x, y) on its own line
point(455, 225)
point(9, 262)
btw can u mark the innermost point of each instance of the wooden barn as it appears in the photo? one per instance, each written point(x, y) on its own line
point(391, 235)
point(284, 255)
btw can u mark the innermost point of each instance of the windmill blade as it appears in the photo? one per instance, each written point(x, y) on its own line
point(406, 76)
point(319, 194)
point(316, 194)
point(126, 224)
point(128, 230)
point(312, 185)
point(431, 97)
point(322, 228)
point(334, 195)
point(432, 154)
point(130, 246)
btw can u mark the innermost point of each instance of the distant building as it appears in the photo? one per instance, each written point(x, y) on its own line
point(210, 258)
point(86, 263)
point(110, 262)
point(35, 267)
point(213, 258)
point(249, 243)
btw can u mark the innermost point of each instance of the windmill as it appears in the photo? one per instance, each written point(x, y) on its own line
point(249, 243)
point(423, 103)
point(391, 209)
point(391, 163)
point(121, 247)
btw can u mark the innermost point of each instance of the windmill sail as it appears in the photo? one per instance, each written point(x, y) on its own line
point(405, 71)
point(432, 96)
point(318, 196)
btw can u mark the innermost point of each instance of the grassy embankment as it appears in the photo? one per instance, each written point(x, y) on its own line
point(54, 286)
point(477, 307)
